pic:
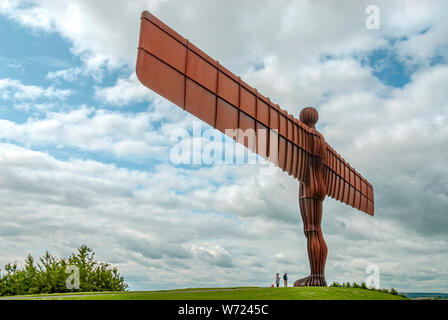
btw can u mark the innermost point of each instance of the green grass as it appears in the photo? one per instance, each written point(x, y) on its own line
point(242, 293)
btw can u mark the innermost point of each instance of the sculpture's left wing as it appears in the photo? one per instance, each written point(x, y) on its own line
point(176, 69)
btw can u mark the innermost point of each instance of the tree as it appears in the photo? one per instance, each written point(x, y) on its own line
point(49, 276)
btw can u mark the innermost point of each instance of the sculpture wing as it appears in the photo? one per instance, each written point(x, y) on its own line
point(345, 184)
point(173, 67)
point(170, 65)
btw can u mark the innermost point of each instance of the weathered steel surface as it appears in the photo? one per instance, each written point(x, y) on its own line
point(176, 69)
point(312, 193)
point(173, 67)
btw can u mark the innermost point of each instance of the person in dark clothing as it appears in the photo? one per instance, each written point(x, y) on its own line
point(285, 279)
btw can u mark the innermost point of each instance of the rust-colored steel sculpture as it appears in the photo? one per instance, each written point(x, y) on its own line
point(176, 69)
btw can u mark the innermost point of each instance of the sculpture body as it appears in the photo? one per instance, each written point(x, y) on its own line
point(173, 67)
point(312, 192)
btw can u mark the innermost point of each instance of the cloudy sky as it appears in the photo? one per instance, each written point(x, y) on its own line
point(84, 148)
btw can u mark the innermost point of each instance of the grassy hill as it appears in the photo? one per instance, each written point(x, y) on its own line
point(242, 293)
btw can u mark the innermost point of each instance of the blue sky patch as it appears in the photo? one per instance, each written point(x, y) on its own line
point(387, 67)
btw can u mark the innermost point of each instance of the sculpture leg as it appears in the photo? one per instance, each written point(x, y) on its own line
point(311, 211)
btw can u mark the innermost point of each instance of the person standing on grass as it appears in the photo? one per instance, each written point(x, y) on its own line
point(277, 280)
point(285, 279)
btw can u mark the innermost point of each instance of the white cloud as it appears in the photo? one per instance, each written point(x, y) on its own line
point(69, 75)
point(214, 254)
point(43, 107)
point(15, 90)
point(35, 17)
point(89, 129)
point(93, 30)
point(289, 29)
point(124, 92)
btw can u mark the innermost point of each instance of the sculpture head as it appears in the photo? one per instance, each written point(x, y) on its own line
point(309, 116)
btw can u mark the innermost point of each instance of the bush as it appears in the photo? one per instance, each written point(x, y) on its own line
point(50, 275)
point(335, 284)
point(364, 286)
point(393, 291)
